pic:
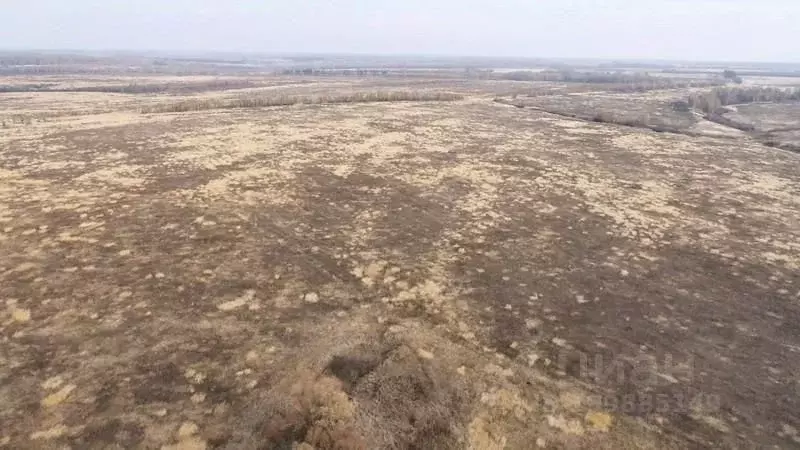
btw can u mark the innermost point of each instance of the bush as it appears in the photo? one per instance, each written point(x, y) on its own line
point(681, 106)
point(732, 76)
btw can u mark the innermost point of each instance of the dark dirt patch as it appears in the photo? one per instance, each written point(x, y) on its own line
point(160, 382)
point(115, 431)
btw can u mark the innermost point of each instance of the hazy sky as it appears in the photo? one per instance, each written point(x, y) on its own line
point(753, 30)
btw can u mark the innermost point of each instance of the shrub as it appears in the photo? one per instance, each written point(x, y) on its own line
point(681, 106)
point(732, 76)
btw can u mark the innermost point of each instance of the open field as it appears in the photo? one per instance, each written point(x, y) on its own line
point(415, 274)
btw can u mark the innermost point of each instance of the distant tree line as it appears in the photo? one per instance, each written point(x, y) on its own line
point(623, 82)
point(25, 87)
point(287, 100)
point(740, 73)
point(336, 72)
point(570, 76)
point(46, 60)
point(712, 102)
point(135, 88)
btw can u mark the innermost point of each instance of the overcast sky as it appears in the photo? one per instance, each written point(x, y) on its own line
point(751, 30)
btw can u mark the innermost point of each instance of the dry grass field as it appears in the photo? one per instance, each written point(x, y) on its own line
point(396, 274)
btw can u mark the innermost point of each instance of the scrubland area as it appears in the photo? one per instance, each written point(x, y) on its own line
point(448, 258)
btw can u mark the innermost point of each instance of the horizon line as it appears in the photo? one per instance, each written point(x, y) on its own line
point(170, 52)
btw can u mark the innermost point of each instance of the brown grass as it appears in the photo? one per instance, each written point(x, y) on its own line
point(287, 100)
point(317, 412)
point(377, 395)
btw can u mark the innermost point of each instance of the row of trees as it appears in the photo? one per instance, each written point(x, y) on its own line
point(135, 88)
point(287, 100)
point(23, 59)
point(336, 72)
point(619, 81)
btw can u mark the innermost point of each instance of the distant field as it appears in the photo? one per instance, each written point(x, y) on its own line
point(485, 264)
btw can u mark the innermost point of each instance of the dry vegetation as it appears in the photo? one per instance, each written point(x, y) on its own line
point(393, 269)
point(136, 88)
point(261, 101)
point(613, 81)
point(638, 112)
point(671, 113)
point(715, 105)
point(711, 102)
